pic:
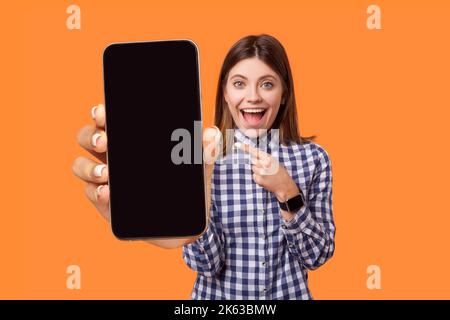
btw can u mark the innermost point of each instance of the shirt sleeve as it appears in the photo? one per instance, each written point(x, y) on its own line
point(206, 255)
point(310, 234)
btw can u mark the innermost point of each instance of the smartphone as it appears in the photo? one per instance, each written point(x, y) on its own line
point(154, 118)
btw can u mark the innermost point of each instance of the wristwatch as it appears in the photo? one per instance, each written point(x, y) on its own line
point(293, 204)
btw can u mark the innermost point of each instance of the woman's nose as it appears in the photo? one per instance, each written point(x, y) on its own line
point(253, 95)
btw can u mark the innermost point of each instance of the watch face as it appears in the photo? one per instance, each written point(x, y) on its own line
point(295, 203)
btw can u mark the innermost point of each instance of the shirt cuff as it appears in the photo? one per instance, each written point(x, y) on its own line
point(298, 223)
point(207, 237)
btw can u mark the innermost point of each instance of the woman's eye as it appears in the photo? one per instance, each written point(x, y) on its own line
point(234, 83)
point(267, 84)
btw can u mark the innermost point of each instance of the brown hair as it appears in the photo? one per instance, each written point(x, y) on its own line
point(270, 51)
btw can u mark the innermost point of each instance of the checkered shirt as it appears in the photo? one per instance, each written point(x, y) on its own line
point(248, 250)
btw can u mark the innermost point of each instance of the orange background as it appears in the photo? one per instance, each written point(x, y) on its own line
point(377, 99)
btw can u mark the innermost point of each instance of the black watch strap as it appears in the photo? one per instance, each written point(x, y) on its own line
point(293, 204)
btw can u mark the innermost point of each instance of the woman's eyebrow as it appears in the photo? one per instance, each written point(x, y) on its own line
point(264, 76)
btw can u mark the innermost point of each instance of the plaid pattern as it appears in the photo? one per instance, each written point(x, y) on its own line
point(248, 250)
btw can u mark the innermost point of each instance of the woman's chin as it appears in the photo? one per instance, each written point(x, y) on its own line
point(252, 132)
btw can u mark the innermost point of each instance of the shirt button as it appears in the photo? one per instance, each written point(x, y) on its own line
point(263, 211)
point(283, 226)
point(265, 290)
point(263, 263)
point(291, 245)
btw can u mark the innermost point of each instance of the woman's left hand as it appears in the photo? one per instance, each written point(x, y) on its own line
point(269, 173)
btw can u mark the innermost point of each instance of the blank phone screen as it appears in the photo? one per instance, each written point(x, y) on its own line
point(153, 127)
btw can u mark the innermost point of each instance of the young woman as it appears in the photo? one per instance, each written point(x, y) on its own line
point(271, 216)
point(256, 247)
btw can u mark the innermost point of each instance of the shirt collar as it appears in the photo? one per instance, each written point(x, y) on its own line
point(265, 136)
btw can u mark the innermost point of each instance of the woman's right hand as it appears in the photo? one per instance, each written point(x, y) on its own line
point(95, 173)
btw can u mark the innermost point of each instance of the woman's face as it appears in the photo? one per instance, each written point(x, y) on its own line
point(253, 93)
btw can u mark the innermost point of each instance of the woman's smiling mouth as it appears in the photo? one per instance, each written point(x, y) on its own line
point(253, 116)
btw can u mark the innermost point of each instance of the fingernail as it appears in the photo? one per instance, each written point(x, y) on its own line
point(237, 145)
point(93, 112)
point(98, 170)
point(95, 138)
point(98, 190)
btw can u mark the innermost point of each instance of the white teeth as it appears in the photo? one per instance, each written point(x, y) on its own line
point(253, 110)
